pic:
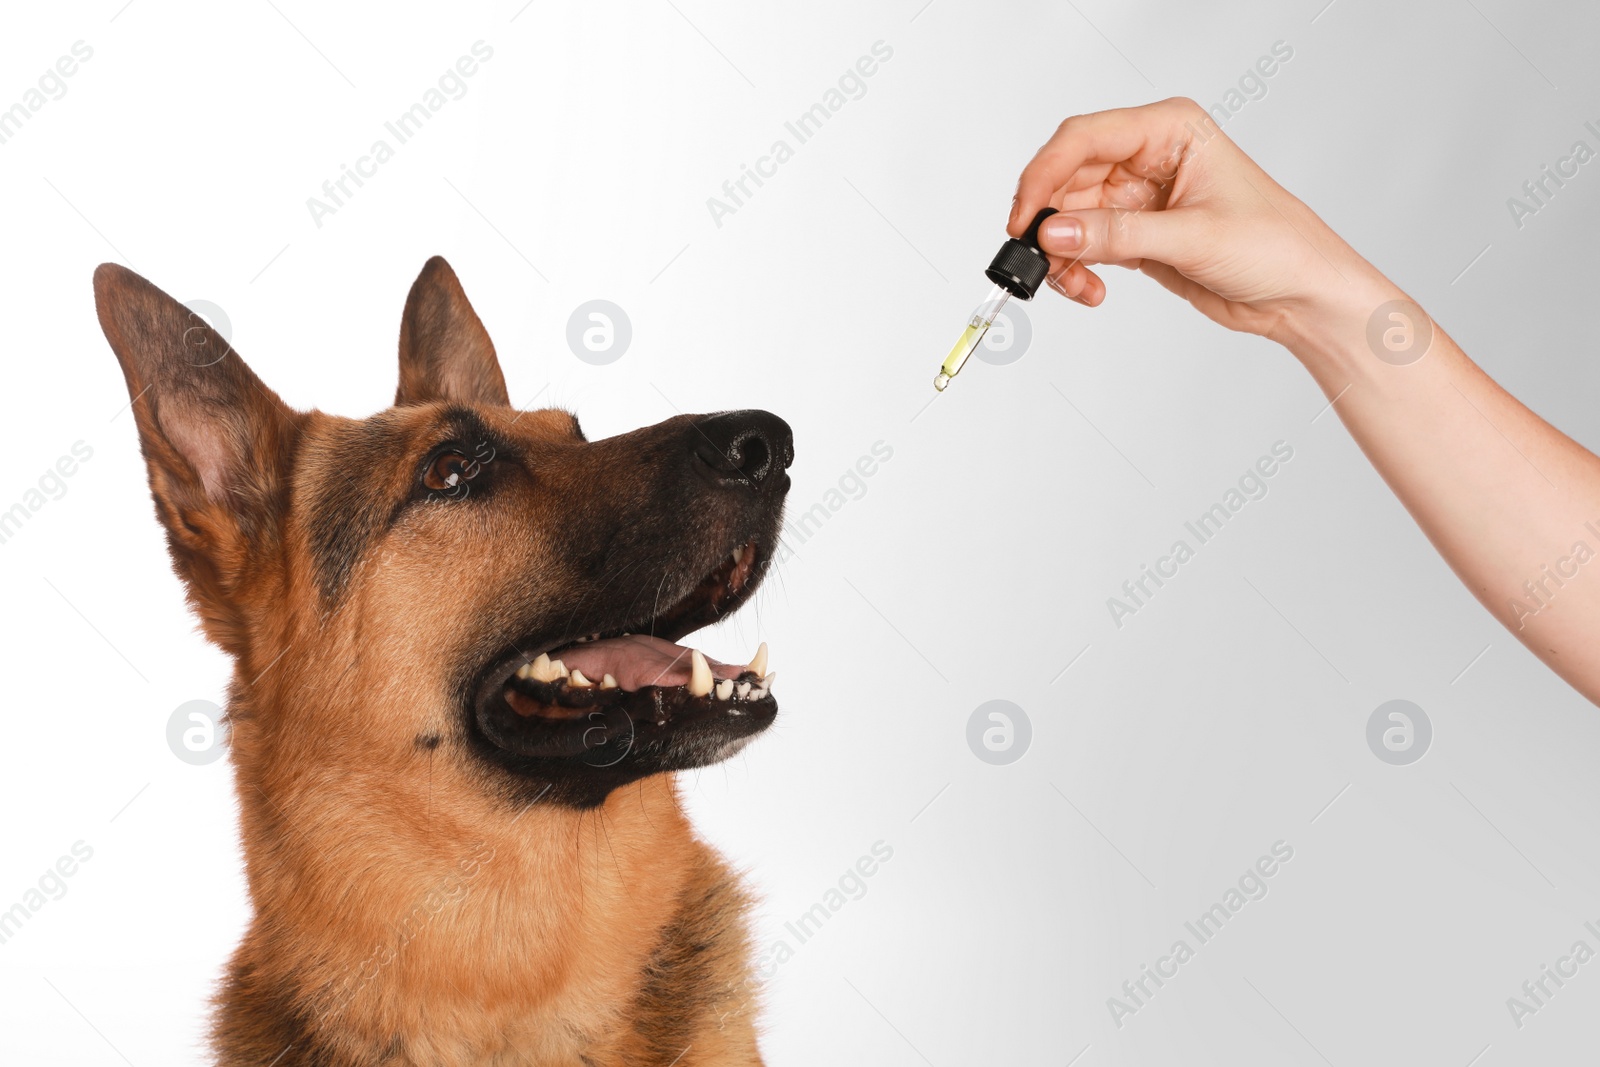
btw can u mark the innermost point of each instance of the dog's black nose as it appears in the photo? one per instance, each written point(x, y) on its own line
point(743, 446)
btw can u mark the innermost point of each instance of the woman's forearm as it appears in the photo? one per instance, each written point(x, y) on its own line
point(1511, 503)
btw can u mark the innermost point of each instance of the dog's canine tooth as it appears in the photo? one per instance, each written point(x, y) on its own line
point(768, 682)
point(699, 674)
point(541, 670)
point(758, 665)
point(579, 680)
point(743, 689)
point(608, 682)
point(737, 555)
point(725, 689)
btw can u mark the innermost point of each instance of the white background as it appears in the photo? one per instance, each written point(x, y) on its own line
point(1176, 749)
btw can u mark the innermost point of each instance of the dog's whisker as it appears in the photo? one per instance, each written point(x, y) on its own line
point(664, 576)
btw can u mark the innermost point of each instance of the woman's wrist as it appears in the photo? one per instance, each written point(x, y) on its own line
point(1351, 326)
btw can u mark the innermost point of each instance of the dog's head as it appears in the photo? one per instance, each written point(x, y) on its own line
point(452, 573)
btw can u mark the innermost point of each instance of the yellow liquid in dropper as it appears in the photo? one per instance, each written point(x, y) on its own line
point(965, 345)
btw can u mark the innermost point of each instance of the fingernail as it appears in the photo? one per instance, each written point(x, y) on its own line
point(1061, 234)
point(1016, 205)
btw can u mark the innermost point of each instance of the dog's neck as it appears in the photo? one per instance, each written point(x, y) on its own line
point(450, 921)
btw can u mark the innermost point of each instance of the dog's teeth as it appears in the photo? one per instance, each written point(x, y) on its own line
point(559, 668)
point(768, 682)
point(579, 680)
point(699, 674)
point(525, 671)
point(540, 670)
point(738, 554)
point(758, 665)
point(725, 689)
point(608, 682)
point(743, 689)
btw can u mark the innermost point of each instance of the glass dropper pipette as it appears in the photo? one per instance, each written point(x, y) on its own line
point(1017, 270)
point(972, 336)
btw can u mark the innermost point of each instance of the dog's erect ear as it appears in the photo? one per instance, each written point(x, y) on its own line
point(218, 443)
point(445, 353)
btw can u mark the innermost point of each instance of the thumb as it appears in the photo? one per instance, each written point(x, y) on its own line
point(1115, 235)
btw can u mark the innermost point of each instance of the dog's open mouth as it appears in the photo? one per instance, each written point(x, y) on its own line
point(568, 681)
point(607, 695)
point(601, 669)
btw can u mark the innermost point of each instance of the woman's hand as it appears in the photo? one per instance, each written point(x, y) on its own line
point(1511, 503)
point(1161, 189)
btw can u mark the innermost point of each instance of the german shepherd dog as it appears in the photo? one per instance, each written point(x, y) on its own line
point(457, 702)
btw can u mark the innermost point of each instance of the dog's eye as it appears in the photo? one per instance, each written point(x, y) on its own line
point(450, 471)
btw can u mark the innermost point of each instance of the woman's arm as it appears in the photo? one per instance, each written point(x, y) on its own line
point(1506, 498)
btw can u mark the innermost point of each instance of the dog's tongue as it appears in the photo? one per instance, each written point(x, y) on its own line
point(637, 661)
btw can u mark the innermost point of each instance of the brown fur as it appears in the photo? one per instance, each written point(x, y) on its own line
point(411, 906)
